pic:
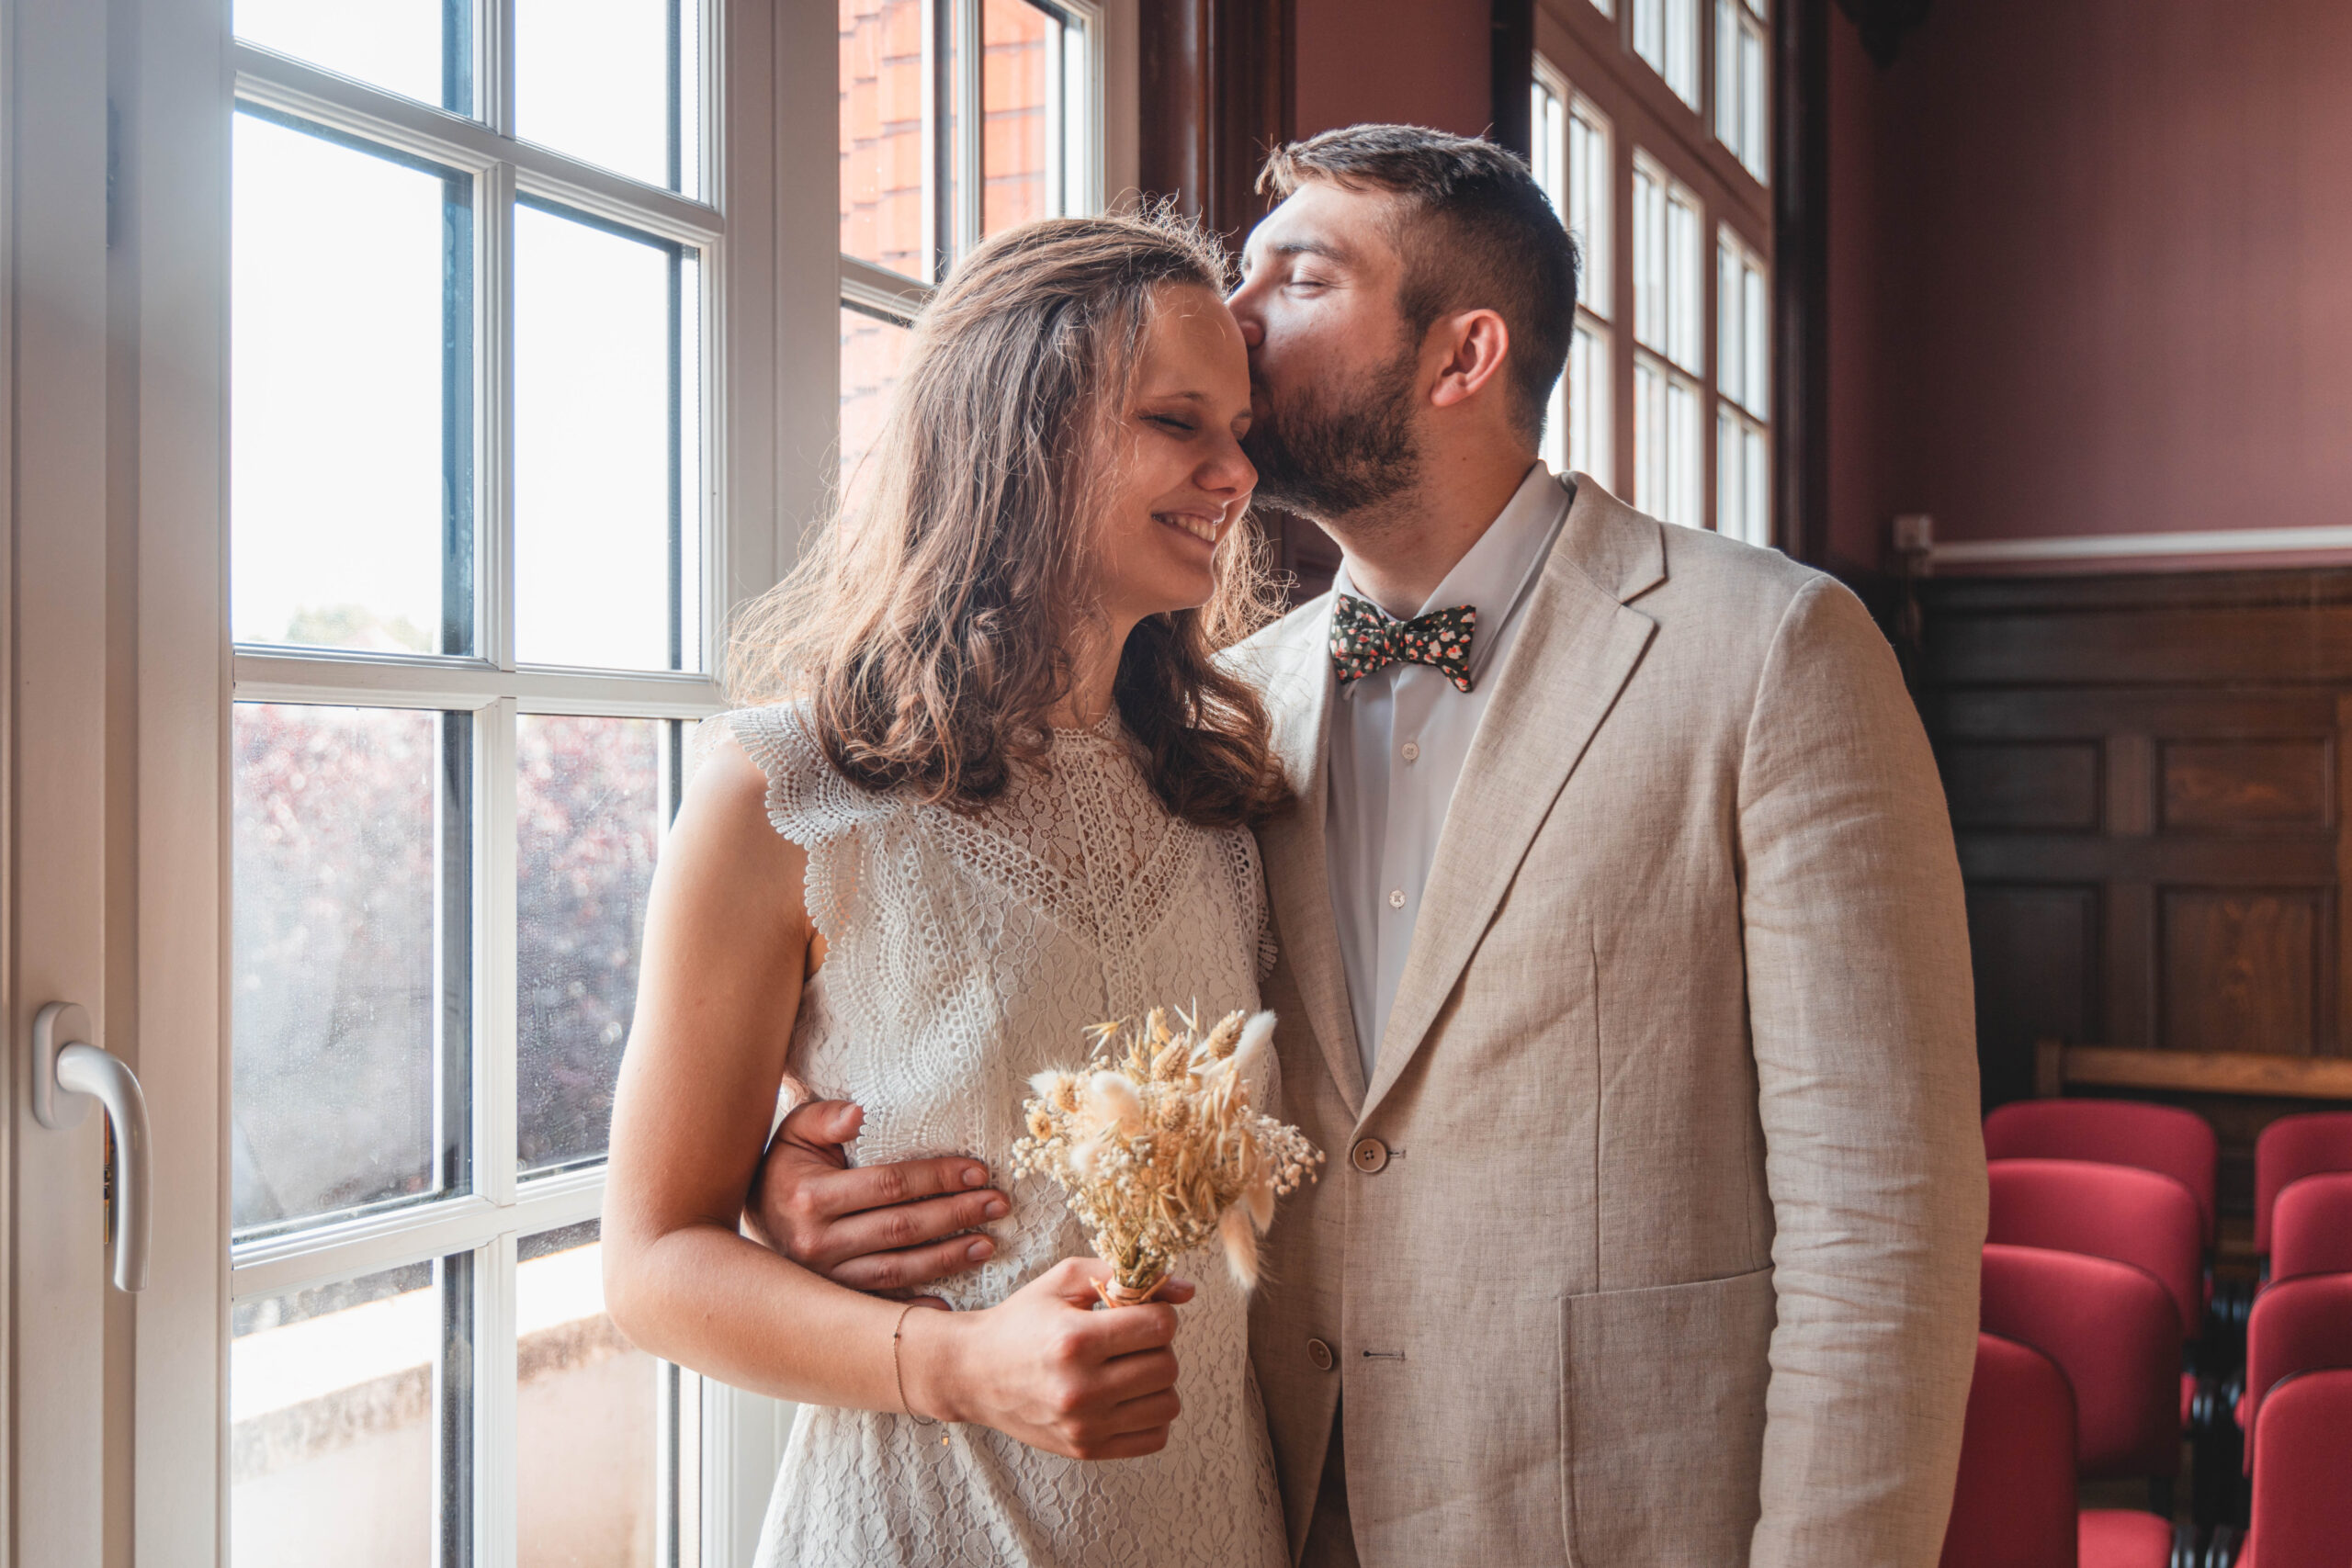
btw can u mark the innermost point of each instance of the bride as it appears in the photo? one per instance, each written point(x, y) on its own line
point(998, 790)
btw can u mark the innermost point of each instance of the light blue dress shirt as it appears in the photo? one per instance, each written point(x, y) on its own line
point(1399, 740)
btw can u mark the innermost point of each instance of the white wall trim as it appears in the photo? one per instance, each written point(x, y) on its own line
point(2104, 546)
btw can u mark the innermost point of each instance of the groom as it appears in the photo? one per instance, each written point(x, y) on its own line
point(1623, 971)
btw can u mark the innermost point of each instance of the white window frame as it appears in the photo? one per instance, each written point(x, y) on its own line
point(768, 297)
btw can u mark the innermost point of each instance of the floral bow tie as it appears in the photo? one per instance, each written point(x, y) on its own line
point(1363, 640)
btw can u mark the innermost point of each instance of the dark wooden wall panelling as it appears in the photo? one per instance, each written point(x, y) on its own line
point(2147, 786)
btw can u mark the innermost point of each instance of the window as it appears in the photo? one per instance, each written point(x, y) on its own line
point(1740, 94)
point(923, 179)
point(1665, 34)
point(1572, 165)
point(472, 569)
point(1669, 330)
point(1743, 384)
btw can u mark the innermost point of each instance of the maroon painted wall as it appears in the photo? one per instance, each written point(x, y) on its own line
point(2091, 271)
point(1414, 61)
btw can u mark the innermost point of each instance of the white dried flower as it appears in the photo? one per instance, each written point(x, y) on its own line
point(1158, 1147)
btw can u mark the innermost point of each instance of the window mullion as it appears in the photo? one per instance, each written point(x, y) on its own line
point(496, 304)
point(494, 1467)
point(496, 989)
point(494, 77)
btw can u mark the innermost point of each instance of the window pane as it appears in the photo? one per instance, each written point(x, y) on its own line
point(872, 351)
point(613, 83)
point(1587, 378)
point(885, 154)
point(1686, 312)
point(1016, 143)
point(606, 445)
point(349, 836)
point(1682, 67)
point(331, 1436)
point(352, 486)
point(393, 44)
point(587, 1415)
point(588, 818)
point(1728, 122)
point(1589, 204)
point(1752, 100)
point(1650, 260)
point(1759, 323)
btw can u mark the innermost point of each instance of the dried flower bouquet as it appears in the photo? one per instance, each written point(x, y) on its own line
point(1158, 1147)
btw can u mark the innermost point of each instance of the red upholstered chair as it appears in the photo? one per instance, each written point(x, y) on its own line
point(2014, 1504)
point(2310, 1227)
point(2302, 1443)
point(2296, 1326)
point(2113, 1330)
point(2289, 1149)
point(2162, 1138)
point(2108, 1210)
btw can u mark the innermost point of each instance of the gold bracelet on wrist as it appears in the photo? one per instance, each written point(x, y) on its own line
point(899, 1371)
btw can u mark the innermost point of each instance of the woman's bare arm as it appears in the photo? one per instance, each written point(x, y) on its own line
point(728, 944)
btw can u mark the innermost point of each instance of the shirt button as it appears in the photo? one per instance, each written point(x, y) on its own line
point(1320, 1354)
point(1395, 897)
point(1412, 751)
point(1370, 1156)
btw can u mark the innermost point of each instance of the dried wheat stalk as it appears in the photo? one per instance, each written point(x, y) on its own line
point(1157, 1145)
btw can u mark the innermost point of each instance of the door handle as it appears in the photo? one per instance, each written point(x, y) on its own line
point(68, 1072)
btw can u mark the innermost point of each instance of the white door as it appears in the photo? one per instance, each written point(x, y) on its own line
point(55, 849)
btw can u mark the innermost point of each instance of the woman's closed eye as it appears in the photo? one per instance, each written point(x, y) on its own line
point(1171, 422)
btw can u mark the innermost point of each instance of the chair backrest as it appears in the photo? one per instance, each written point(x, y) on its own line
point(2013, 1505)
point(2289, 1149)
point(2310, 1227)
point(2302, 1443)
point(2113, 1331)
point(2162, 1138)
point(2296, 1326)
point(2108, 1210)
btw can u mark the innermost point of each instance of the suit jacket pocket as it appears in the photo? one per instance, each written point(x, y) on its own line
point(1662, 1421)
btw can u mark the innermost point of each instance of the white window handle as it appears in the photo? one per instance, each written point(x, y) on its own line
point(68, 1072)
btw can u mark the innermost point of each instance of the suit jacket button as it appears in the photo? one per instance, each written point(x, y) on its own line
point(1320, 1354)
point(1369, 1156)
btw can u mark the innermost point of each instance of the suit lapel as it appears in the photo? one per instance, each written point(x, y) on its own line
point(1575, 651)
point(1298, 692)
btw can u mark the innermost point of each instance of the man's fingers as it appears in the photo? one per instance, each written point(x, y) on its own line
point(820, 1122)
point(906, 1225)
point(864, 1187)
point(913, 1266)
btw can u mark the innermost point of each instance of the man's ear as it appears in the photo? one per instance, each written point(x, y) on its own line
point(1476, 344)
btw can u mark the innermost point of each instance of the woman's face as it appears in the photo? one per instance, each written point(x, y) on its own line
point(1180, 482)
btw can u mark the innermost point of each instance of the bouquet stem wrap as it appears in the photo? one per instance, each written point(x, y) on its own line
point(1156, 1147)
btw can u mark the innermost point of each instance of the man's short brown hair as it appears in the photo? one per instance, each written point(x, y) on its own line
point(1477, 232)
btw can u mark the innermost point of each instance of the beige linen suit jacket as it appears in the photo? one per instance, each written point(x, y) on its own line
point(1654, 1238)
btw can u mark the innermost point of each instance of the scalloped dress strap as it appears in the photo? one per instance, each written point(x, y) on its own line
point(811, 804)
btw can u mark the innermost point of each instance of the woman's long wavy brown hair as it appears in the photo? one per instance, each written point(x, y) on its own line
point(930, 623)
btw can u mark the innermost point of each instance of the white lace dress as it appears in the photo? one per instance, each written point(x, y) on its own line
point(963, 954)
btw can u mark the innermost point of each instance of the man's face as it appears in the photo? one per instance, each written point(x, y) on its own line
point(1334, 378)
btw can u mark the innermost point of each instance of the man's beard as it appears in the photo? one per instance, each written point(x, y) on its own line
point(1328, 456)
